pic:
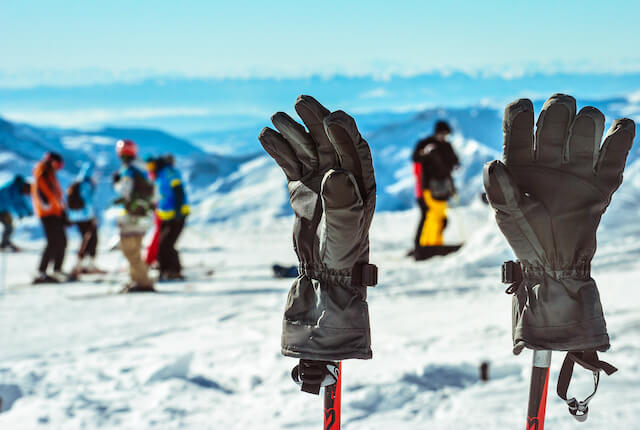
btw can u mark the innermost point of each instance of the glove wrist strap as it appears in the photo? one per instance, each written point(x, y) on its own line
point(590, 361)
point(360, 275)
point(515, 272)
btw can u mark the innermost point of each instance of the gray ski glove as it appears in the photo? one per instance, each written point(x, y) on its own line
point(549, 196)
point(332, 191)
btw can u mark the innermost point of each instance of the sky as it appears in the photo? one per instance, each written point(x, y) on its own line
point(68, 42)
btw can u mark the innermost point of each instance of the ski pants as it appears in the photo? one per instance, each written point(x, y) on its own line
point(423, 214)
point(168, 257)
point(7, 222)
point(131, 245)
point(54, 230)
point(435, 221)
point(89, 232)
point(152, 250)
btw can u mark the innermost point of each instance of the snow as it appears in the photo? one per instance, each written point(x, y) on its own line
point(204, 354)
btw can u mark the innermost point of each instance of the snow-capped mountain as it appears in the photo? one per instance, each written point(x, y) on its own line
point(246, 186)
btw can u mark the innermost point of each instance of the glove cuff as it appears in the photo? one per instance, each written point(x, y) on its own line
point(538, 293)
point(360, 275)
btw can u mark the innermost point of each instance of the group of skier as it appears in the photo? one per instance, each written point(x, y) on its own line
point(136, 194)
point(155, 189)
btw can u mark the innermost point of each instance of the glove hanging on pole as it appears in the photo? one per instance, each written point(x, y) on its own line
point(332, 191)
point(549, 196)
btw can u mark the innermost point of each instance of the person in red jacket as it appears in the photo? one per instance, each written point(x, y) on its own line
point(49, 206)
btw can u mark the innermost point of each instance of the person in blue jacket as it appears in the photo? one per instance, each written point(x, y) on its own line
point(172, 208)
point(82, 213)
point(14, 200)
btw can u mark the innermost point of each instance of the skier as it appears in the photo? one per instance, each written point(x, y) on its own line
point(135, 195)
point(13, 201)
point(548, 197)
point(48, 203)
point(333, 194)
point(82, 212)
point(172, 209)
point(433, 161)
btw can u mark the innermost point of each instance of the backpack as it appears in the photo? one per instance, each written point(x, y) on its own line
point(440, 182)
point(74, 199)
point(143, 190)
point(441, 189)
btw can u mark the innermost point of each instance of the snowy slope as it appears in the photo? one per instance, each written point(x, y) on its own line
point(205, 353)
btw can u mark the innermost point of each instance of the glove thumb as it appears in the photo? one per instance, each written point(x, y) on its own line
point(502, 191)
point(511, 206)
point(343, 219)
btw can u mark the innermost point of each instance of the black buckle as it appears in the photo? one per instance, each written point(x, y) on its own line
point(311, 375)
point(511, 272)
point(364, 275)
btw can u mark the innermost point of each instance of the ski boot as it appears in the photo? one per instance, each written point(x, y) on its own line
point(135, 288)
point(92, 269)
point(10, 247)
point(43, 278)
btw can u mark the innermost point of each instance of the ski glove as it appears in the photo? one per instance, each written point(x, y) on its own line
point(332, 190)
point(549, 195)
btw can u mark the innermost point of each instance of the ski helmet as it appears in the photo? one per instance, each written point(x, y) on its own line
point(54, 159)
point(126, 148)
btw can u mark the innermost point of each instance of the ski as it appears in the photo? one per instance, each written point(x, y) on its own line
point(538, 390)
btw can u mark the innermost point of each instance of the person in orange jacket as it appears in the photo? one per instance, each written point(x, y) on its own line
point(49, 206)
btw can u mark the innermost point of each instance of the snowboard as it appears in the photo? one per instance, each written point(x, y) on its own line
point(426, 252)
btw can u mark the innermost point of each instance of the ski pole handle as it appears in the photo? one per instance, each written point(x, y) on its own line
point(332, 401)
point(538, 390)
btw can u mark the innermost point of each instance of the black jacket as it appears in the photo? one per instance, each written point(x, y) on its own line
point(438, 163)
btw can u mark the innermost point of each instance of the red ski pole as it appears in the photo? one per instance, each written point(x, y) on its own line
point(332, 398)
point(538, 390)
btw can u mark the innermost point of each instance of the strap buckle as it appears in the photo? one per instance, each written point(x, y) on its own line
point(589, 360)
point(364, 275)
point(511, 272)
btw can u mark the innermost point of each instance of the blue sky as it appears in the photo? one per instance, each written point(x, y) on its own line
point(71, 42)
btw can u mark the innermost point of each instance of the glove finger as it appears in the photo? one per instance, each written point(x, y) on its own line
point(312, 114)
point(552, 130)
point(353, 151)
point(300, 141)
point(281, 151)
point(614, 151)
point(340, 240)
point(518, 132)
point(584, 141)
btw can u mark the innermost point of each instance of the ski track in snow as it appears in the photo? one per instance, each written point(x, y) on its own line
point(205, 355)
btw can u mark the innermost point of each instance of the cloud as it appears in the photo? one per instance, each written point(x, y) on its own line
point(376, 93)
point(93, 117)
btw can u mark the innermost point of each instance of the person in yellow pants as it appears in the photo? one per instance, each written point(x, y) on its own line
point(434, 221)
point(434, 160)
